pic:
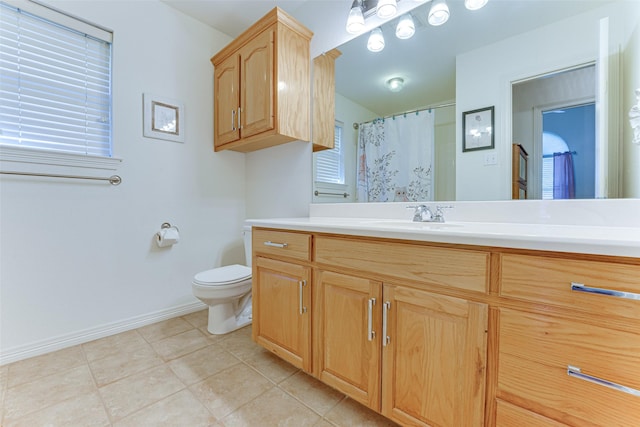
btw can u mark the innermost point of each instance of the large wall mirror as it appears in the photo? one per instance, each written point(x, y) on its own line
point(514, 72)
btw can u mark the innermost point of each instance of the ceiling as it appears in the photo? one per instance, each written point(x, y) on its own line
point(426, 61)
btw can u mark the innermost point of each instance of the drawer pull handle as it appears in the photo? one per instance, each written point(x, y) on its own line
point(371, 333)
point(301, 285)
point(276, 245)
point(385, 313)
point(574, 371)
point(579, 287)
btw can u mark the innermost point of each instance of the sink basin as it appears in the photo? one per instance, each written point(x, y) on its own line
point(410, 225)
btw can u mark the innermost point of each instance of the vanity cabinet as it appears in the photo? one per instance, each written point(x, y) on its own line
point(383, 344)
point(262, 86)
point(569, 349)
point(281, 291)
point(454, 335)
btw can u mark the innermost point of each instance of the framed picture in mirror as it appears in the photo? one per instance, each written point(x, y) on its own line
point(477, 129)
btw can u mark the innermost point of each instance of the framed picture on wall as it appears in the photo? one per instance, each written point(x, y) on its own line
point(477, 130)
point(163, 118)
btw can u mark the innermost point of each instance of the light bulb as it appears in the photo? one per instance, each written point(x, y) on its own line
point(386, 8)
point(395, 84)
point(439, 13)
point(475, 4)
point(406, 28)
point(355, 22)
point(376, 40)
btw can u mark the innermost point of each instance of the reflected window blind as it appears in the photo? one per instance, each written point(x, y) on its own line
point(55, 89)
point(330, 163)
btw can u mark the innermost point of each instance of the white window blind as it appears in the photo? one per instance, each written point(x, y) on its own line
point(547, 177)
point(55, 89)
point(330, 163)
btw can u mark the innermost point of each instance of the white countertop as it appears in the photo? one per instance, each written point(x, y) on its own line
point(588, 239)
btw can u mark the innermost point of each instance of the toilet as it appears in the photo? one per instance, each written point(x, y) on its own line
point(227, 292)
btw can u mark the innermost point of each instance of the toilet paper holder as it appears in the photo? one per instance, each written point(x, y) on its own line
point(168, 225)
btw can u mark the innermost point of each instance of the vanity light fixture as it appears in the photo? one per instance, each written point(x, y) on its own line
point(355, 22)
point(376, 40)
point(395, 84)
point(386, 8)
point(475, 4)
point(439, 13)
point(405, 28)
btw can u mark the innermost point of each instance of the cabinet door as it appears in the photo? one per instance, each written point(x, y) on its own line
point(281, 310)
point(257, 82)
point(227, 100)
point(348, 339)
point(434, 358)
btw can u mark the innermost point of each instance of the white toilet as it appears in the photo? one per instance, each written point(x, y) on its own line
point(227, 292)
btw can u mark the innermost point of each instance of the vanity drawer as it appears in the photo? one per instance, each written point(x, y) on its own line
point(553, 281)
point(282, 243)
point(508, 415)
point(538, 352)
point(457, 268)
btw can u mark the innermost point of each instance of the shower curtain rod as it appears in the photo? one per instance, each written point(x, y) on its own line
point(451, 104)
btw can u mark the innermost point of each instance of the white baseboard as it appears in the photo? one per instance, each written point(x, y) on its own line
point(69, 340)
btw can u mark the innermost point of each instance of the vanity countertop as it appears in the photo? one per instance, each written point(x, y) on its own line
point(586, 239)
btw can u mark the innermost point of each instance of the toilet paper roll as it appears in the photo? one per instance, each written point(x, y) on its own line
point(167, 237)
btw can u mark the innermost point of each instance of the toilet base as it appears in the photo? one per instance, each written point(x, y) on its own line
point(228, 317)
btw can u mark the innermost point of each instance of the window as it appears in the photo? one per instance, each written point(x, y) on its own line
point(330, 163)
point(55, 91)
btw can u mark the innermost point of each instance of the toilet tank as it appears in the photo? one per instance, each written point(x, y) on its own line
point(246, 234)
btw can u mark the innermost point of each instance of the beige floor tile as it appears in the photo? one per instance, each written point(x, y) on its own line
point(128, 362)
point(324, 423)
point(226, 391)
point(108, 346)
point(271, 366)
point(133, 393)
point(47, 391)
point(180, 409)
point(81, 411)
point(271, 409)
point(201, 364)
point(198, 319)
point(164, 329)
point(240, 344)
point(4, 373)
point(180, 344)
point(28, 370)
point(316, 395)
point(350, 413)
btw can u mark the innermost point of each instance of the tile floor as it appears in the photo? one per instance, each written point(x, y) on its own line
point(171, 373)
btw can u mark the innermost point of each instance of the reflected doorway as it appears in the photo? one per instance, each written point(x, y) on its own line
point(553, 103)
point(568, 152)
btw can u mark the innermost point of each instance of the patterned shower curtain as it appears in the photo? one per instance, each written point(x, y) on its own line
point(395, 159)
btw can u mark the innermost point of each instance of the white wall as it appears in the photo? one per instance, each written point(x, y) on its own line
point(77, 258)
point(631, 78)
point(483, 79)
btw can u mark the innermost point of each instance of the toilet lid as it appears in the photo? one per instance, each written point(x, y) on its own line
point(223, 275)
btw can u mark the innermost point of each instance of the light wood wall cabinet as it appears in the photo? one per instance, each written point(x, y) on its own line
point(262, 86)
point(324, 100)
point(455, 335)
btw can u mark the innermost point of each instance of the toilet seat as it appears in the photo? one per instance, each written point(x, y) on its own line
point(222, 276)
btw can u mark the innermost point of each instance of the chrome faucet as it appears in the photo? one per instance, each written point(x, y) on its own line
point(422, 213)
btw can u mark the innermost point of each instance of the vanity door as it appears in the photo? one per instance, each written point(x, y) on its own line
point(434, 358)
point(348, 335)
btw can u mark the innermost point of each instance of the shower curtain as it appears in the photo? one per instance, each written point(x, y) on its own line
point(395, 158)
point(564, 186)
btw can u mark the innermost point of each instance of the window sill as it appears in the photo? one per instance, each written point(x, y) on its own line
point(19, 159)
